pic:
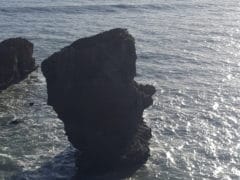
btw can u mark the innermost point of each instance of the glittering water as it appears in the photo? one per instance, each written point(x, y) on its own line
point(190, 50)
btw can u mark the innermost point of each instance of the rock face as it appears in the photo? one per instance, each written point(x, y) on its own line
point(91, 87)
point(16, 61)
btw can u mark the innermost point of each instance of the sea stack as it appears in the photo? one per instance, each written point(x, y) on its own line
point(91, 87)
point(16, 61)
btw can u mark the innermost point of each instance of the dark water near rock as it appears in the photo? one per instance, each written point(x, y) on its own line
point(188, 49)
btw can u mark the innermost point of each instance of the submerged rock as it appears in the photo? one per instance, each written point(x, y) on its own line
point(91, 87)
point(16, 61)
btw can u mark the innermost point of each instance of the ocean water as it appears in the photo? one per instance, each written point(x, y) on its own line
point(189, 50)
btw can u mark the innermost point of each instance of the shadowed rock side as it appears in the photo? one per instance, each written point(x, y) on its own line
point(16, 61)
point(91, 87)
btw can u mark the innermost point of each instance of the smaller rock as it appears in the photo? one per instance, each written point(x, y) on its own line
point(15, 121)
point(16, 61)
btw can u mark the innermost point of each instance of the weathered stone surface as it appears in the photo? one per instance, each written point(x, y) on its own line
point(91, 87)
point(16, 61)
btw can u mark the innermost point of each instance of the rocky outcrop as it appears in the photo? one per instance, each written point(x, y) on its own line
point(16, 61)
point(91, 87)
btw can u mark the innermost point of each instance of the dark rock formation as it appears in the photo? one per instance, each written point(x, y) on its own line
point(16, 61)
point(91, 87)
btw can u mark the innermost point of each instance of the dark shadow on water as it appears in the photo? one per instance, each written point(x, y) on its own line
point(62, 167)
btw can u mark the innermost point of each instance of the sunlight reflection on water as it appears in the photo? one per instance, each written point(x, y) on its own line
point(189, 50)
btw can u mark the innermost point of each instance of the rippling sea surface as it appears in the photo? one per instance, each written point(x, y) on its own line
point(189, 50)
